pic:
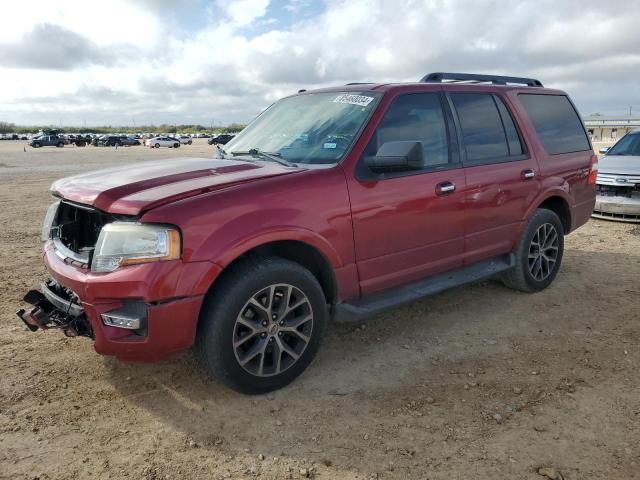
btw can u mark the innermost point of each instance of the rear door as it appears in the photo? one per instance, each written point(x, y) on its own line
point(408, 225)
point(502, 177)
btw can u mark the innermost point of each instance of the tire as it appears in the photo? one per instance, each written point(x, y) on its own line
point(176, 145)
point(189, 142)
point(60, 145)
point(36, 145)
point(529, 274)
point(227, 311)
point(157, 145)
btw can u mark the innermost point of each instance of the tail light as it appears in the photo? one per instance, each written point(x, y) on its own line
point(593, 170)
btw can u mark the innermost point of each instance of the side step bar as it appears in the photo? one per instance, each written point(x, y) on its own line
point(381, 302)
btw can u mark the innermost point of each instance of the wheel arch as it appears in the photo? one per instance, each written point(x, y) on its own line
point(559, 203)
point(309, 252)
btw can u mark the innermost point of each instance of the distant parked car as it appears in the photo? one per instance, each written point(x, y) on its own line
point(185, 139)
point(157, 142)
point(110, 141)
point(129, 140)
point(47, 141)
point(221, 139)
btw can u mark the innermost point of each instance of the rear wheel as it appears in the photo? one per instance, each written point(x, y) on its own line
point(538, 253)
point(157, 145)
point(261, 325)
point(60, 145)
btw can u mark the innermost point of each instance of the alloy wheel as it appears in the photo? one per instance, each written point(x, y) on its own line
point(543, 251)
point(272, 330)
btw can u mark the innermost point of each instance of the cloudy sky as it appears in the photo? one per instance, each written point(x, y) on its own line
point(190, 61)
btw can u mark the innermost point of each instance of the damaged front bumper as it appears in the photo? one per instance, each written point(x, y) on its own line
point(620, 208)
point(141, 313)
point(55, 307)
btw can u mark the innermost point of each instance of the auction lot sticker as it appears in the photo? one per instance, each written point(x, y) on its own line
point(360, 100)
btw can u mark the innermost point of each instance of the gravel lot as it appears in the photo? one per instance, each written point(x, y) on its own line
point(478, 382)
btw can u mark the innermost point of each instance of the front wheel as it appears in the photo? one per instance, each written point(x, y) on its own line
point(261, 325)
point(60, 145)
point(176, 145)
point(538, 253)
point(157, 145)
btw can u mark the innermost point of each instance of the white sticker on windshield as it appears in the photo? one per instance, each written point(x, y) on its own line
point(360, 100)
point(330, 145)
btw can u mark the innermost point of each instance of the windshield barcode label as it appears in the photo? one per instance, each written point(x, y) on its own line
point(360, 100)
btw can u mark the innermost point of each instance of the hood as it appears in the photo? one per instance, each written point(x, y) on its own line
point(619, 165)
point(132, 189)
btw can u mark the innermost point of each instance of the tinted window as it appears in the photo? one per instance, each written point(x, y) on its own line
point(415, 117)
point(557, 123)
point(482, 132)
point(513, 139)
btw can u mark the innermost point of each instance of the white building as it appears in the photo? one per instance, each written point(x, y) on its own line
point(610, 128)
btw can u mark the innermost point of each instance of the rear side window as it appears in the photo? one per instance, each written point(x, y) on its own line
point(488, 132)
point(556, 122)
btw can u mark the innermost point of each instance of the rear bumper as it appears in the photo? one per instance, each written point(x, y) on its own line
point(169, 293)
point(626, 209)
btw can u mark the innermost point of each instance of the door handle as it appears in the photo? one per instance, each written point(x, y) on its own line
point(528, 174)
point(445, 187)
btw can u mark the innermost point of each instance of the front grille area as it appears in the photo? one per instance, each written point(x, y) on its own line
point(628, 191)
point(618, 197)
point(76, 229)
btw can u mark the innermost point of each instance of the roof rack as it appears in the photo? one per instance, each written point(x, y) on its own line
point(442, 77)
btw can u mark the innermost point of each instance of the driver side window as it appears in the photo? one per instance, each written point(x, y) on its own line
point(415, 117)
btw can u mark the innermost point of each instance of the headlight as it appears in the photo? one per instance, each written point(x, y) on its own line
point(48, 221)
point(126, 243)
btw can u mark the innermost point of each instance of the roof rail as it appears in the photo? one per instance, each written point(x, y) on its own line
point(441, 77)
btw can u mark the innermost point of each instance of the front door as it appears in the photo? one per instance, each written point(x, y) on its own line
point(409, 224)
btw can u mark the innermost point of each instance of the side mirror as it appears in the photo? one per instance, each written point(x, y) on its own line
point(604, 149)
point(401, 155)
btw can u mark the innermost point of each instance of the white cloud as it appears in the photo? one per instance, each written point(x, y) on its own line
point(243, 12)
point(238, 57)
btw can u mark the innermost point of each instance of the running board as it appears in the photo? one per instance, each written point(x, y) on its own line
point(381, 302)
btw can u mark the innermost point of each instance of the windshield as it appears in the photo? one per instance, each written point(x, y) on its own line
point(316, 128)
point(628, 145)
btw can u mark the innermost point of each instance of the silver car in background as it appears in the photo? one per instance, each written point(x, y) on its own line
point(618, 183)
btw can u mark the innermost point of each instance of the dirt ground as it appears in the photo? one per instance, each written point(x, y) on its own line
point(478, 382)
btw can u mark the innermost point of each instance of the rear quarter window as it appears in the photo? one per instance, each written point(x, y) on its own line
point(556, 122)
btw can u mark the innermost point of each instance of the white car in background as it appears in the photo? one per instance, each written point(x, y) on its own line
point(185, 139)
point(157, 142)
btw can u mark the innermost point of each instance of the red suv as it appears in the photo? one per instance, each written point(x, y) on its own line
point(334, 203)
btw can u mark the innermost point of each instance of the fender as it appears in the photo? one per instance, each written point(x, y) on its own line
point(557, 191)
point(239, 246)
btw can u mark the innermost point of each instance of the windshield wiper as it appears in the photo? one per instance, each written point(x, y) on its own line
point(273, 157)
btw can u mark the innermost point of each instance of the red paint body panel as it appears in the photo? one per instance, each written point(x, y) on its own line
point(131, 189)
point(171, 324)
point(374, 234)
